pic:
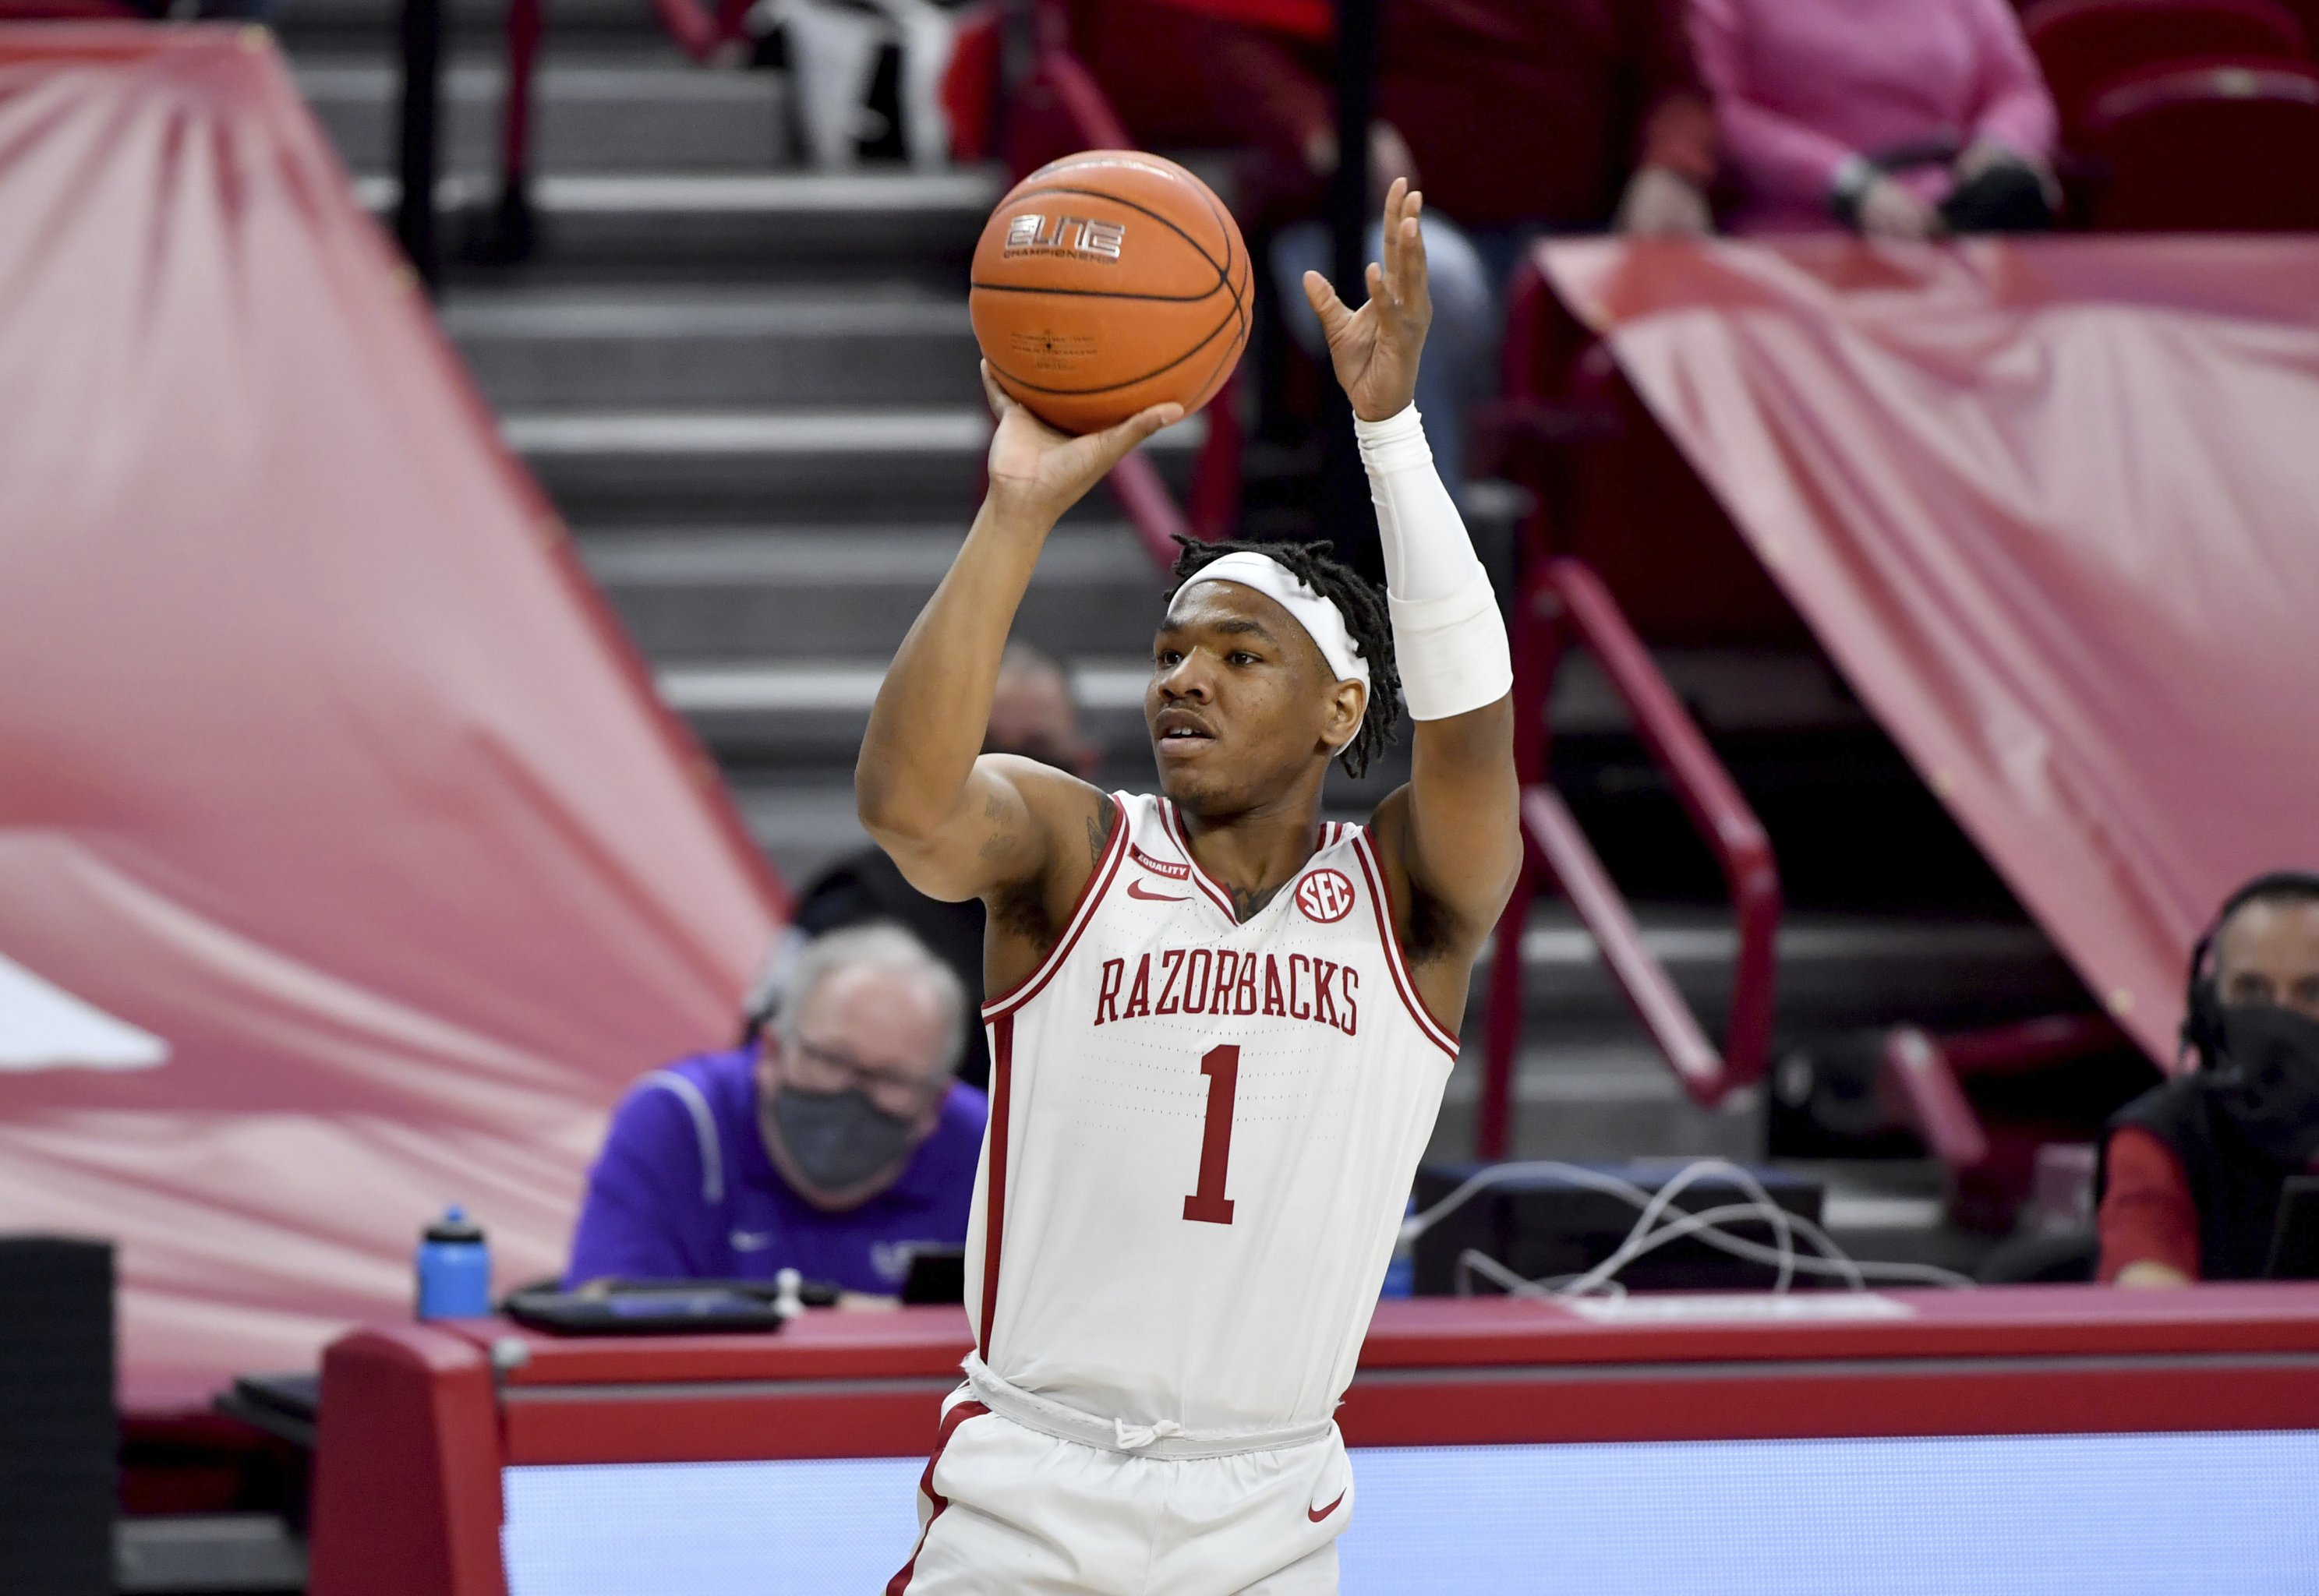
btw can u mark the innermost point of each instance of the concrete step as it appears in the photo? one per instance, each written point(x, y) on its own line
point(882, 464)
point(771, 596)
point(1592, 1095)
point(237, 1553)
point(1836, 972)
point(812, 712)
point(722, 346)
point(846, 225)
point(589, 115)
point(738, 619)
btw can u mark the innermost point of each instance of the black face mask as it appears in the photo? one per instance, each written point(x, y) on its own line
point(839, 1139)
point(2270, 1083)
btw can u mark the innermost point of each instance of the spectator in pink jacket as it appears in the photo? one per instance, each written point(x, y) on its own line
point(1903, 119)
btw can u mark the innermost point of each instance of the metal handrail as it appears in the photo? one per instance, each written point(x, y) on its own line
point(1574, 598)
point(699, 33)
point(1923, 1075)
point(1135, 482)
point(1562, 601)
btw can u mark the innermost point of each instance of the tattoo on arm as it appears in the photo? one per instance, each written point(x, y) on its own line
point(1003, 827)
point(1022, 907)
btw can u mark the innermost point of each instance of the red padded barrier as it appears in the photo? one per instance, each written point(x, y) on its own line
point(407, 1467)
point(408, 1488)
point(320, 759)
point(2048, 505)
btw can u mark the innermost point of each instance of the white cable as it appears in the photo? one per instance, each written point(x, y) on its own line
point(1707, 1223)
point(1634, 1194)
point(1853, 1273)
point(1648, 1233)
point(1475, 1259)
point(1636, 1242)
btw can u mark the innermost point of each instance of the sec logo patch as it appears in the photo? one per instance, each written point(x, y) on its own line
point(1325, 896)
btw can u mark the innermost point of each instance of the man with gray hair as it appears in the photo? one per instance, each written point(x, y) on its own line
point(836, 1144)
point(1032, 715)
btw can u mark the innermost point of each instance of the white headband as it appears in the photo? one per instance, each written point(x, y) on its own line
point(1321, 619)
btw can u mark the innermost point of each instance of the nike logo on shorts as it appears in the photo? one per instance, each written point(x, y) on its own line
point(752, 1240)
point(1135, 889)
point(1317, 1514)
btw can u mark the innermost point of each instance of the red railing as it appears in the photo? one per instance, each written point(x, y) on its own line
point(701, 34)
point(1562, 601)
point(1058, 108)
point(1922, 1084)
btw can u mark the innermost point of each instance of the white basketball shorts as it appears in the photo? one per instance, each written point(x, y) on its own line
point(1005, 1508)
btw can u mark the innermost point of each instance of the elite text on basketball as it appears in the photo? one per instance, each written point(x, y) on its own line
point(1066, 235)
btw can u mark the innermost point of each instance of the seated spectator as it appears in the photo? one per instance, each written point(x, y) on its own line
point(2193, 1169)
point(1564, 115)
point(835, 1145)
point(1515, 117)
point(1901, 119)
point(1524, 116)
point(1031, 715)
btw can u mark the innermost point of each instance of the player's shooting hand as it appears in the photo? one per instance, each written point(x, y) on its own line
point(1376, 348)
point(1036, 473)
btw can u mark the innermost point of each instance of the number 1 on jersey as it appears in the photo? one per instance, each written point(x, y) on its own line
point(1208, 1204)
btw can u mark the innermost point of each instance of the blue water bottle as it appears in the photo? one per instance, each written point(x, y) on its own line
point(1401, 1274)
point(455, 1268)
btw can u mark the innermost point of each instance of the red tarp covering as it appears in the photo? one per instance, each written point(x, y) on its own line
point(2053, 507)
point(319, 760)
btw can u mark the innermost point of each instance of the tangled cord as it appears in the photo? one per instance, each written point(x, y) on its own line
point(1653, 1230)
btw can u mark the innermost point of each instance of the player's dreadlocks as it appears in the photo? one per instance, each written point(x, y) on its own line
point(1362, 604)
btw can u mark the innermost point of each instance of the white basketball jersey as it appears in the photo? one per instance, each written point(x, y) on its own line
point(1201, 1136)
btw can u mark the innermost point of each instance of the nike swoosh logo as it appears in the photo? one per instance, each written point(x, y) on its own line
point(1135, 889)
point(752, 1240)
point(1316, 1515)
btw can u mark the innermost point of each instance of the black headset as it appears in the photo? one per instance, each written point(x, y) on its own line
point(2202, 1008)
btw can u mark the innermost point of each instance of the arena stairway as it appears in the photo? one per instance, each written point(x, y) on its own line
point(751, 389)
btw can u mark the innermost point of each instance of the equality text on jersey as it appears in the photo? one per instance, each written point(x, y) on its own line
point(1227, 981)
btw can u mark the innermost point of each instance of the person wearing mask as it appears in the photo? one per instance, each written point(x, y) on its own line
point(1031, 715)
point(837, 1145)
point(1898, 118)
point(2193, 1170)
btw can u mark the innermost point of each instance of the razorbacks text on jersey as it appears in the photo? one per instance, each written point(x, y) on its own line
point(1201, 1137)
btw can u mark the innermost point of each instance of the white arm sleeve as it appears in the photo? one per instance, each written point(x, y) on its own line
point(1447, 635)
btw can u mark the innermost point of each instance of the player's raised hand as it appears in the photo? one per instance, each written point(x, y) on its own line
point(1037, 473)
point(1376, 348)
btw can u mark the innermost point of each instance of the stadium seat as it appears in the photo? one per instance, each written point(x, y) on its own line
point(2213, 149)
point(2306, 13)
point(2084, 46)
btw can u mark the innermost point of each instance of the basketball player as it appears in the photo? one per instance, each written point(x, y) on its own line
point(1220, 1025)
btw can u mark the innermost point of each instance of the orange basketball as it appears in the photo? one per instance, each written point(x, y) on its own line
point(1107, 282)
